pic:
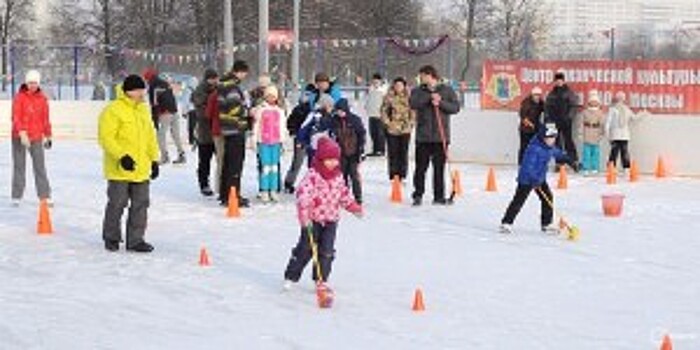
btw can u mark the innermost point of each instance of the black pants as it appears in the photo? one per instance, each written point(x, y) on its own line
point(121, 194)
point(294, 167)
point(620, 147)
point(398, 155)
point(191, 125)
point(425, 154)
point(378, 135)
point(525, 138)
point(521, 194)
point(206, 153)
point(351, 174)
point(324, 236)
point(565, 140)
point(231, 172)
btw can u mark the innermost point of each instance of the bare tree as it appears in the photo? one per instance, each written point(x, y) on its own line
point(515, 27)
point(14, 14)
point(461, 22)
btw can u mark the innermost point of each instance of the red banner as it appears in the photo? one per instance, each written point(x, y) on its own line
point(665, 87)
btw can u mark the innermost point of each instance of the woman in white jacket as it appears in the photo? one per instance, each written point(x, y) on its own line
point(617, 129)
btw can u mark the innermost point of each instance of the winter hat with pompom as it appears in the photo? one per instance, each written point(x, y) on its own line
point(326, 149)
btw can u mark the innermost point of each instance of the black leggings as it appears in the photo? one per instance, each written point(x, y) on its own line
point(620, 148)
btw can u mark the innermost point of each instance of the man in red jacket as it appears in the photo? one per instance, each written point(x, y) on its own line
point(31, 131)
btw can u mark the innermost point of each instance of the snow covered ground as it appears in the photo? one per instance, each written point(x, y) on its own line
point(627, 281)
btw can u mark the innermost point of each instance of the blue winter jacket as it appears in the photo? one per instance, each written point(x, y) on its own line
point(318, 122)
point(313, 93)
point(533, 169)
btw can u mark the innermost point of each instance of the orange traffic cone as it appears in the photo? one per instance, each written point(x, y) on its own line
point(418, 304)
point(44, 226)
point(204, 257)
point(563, 179)
point(396, 195)
point(634, 171)
point(660, 168)
point(666, 343)
point(457, 182)
point(491, 181)
point(611, 174)
point(233, 210)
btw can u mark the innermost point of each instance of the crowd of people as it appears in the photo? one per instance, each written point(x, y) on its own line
point(325, 133)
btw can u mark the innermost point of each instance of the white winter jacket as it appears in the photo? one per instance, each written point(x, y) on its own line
point(375, 97)
point(617, 124)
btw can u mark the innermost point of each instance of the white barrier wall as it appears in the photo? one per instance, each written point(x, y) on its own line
point(478, 136)
point(492, 137)
point(69, 119)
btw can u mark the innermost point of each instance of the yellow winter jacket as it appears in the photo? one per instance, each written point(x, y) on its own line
point(125, 127)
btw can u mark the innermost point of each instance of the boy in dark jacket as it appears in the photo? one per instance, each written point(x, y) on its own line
point(294, 121)
point(350, 134)
point(533, 176)
point(204, 137)
point(318, 124)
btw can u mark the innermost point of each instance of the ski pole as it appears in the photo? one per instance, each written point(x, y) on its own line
point(573, 231)
point(314, 253)
point(445, 149)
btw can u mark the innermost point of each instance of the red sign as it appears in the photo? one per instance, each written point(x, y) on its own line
point(280, 37)
point(667, 87)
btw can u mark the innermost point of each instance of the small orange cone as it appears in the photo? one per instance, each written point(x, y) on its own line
point(611, 174)
point(563, 179)
point(634, 171)
point(491, 181)
point(44, 226)
point(457, 182)
point(204, 257)
point(418, 304)
point(666, 343)
point(233, 210)
point(660, 168)
point(396, 195)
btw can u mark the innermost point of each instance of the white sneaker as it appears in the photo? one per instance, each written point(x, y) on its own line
point(550, 229)
point(506, 228)
point(265, 197)
point(288, 285)
point(274, 197)
point(15, 202)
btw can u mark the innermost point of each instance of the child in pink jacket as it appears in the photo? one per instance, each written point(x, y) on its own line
point(320, 196)
point(268, 133)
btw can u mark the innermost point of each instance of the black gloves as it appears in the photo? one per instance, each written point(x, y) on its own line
point(155, 170)
point(48, 143)
point(127, 163)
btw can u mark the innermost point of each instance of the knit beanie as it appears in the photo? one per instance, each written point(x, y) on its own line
point(133, 82)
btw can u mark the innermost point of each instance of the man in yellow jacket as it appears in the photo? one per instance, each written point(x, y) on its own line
point(128, 138)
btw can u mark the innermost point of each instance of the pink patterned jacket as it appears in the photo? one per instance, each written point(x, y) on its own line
point(320, 200)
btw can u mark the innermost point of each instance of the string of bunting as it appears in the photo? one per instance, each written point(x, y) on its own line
point(410, 46)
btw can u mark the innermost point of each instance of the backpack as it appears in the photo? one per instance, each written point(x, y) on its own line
point(347, 138)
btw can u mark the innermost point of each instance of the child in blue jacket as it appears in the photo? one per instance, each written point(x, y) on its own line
point(532, 175)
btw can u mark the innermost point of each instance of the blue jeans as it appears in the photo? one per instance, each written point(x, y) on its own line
point(591, 157)
point(269, 156)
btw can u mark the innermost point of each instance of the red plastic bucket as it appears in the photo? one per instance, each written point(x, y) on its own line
point(612, 204)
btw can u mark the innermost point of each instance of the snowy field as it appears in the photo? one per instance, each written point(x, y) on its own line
point(627, 282)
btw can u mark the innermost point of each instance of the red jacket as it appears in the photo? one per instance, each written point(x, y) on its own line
point(30, 113)
point(212, 112)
